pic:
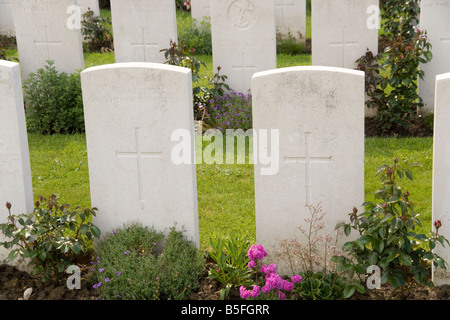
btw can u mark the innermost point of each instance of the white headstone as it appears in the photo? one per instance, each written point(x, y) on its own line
point(43, 33)
point(133, 175)
point(441, 172)
point(291, 19)
point(342, 31)
point(6, 18)
point(92, 5)
point(200, 9)
point(15, 172)
point(243, 39)
point(435, 20)
point(142, 28)
point(318, 155)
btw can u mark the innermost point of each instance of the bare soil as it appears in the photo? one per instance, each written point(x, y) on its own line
point(417, 128)
point(14, 282)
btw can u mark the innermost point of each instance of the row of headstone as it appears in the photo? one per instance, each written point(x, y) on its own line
point(243, 33)
point(303, 111)
point(7, 21)
point(290, 16)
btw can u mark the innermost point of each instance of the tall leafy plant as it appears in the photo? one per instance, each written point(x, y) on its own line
point(392, 76)
point(387, 236)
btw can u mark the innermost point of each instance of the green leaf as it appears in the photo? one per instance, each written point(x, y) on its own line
point(373, 258)
point(348, 246)
point(42, 256)
point(432, 244)
point(347, 230)
point(96, 231)
point(409, 174)
point(382, 232)
point(349, 291)
point(76, 248)
point(378, 244)
point(405, 259)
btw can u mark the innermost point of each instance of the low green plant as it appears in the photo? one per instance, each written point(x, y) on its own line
point(387, 236)
point(323, 286)
point(195, 34)
point(54, 103)
point(49, 236)
point(290, 45)
point(96, 32)
point(139, 263)
point(7, 43)
point(231, 269)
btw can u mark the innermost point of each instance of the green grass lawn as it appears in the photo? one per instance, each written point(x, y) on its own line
point(225, 192)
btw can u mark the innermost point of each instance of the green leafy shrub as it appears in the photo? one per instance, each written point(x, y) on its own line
point(54, 103)
point(139, 263)
point(196, 34)
point(97, 33)
point(230, 256)
point(49, 236)
point(387, 237)
point(290, 45)
point(179, 54)
point(392, 76)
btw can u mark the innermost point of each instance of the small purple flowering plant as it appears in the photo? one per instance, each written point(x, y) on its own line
point(232, 110)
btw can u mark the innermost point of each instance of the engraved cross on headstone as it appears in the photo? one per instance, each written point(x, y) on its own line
point(139, 155)
point(445, 40)
point(47, 42)
point(308, 159)
point(281, 6)
point(245, 68)
point(344, 44)
point(144, 44)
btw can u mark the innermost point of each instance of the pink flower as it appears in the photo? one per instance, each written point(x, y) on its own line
point(269, 269)
point(251, 264)
point(296, 279)
point(256, 252)
point(281, 295)
point(273, 281)
point(245, 294)
point(286, 285)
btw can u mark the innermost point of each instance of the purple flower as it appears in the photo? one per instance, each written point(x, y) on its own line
point(127, 252)
point(101, 269)
point(118, 273)
point(251, 264)
point(107, 280)
point(97, 285)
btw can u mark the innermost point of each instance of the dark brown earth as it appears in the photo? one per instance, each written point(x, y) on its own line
point(417, 128)
point(13, 283)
